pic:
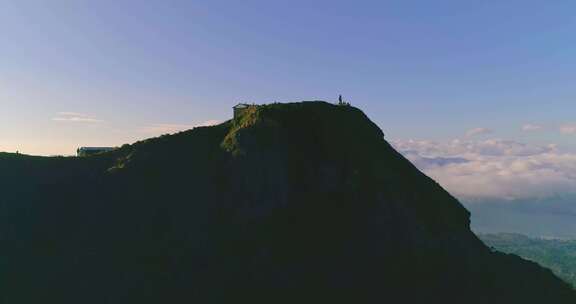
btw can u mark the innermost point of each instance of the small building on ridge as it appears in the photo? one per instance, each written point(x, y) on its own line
point(239, 109)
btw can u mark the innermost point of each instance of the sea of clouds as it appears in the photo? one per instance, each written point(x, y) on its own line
point(486, 169)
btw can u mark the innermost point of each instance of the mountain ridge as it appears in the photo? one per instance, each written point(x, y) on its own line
point(297, 201)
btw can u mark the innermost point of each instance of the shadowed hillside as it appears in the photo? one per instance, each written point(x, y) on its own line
point(289, 202)
point(557, 254)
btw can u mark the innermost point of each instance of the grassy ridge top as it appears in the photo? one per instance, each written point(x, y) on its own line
point(302, 118)
point(305, 112)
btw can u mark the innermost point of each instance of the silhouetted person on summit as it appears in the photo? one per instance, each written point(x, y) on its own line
point(339, 99)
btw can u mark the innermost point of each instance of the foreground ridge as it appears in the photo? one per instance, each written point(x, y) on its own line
point(285, 202)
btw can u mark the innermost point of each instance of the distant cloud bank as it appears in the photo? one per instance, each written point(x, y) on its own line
point(75, 117)
point(569, 128)
point(166, 128)
point(478, 131)
point(494, 169)
point(531, 127)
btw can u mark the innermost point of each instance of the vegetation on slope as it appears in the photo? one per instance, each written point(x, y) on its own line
point(559, 255)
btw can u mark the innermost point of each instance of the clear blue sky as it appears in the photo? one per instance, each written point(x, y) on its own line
point(420, 69)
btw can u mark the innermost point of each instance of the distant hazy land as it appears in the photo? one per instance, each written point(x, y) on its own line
point(545, 218)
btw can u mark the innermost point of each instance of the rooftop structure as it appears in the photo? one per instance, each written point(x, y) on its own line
point(240, 108)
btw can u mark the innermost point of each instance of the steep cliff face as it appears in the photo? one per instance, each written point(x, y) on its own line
point(289, 202)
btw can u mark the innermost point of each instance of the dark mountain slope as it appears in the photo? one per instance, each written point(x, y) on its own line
point(290, 202)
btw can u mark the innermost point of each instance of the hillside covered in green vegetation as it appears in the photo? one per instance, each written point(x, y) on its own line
point(287, 203)
point(559, 255)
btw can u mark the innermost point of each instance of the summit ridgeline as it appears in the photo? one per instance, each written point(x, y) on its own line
point(285, 203)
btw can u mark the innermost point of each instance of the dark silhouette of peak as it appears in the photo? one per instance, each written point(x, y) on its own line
point(301, 202)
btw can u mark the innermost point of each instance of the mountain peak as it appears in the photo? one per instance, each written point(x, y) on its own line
point(300, 120)
point(301, 200)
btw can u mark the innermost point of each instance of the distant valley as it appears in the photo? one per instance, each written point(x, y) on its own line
point(559, 255)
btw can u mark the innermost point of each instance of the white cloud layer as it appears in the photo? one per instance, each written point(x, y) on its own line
point(76, 117)
point(478, 131)
point(494, 168)
point(164, 128)
point(569, 128)
point(531, 127)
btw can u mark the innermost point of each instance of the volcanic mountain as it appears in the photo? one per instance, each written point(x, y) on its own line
point(297, 203)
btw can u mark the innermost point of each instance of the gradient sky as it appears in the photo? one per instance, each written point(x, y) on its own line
point(92, 73)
